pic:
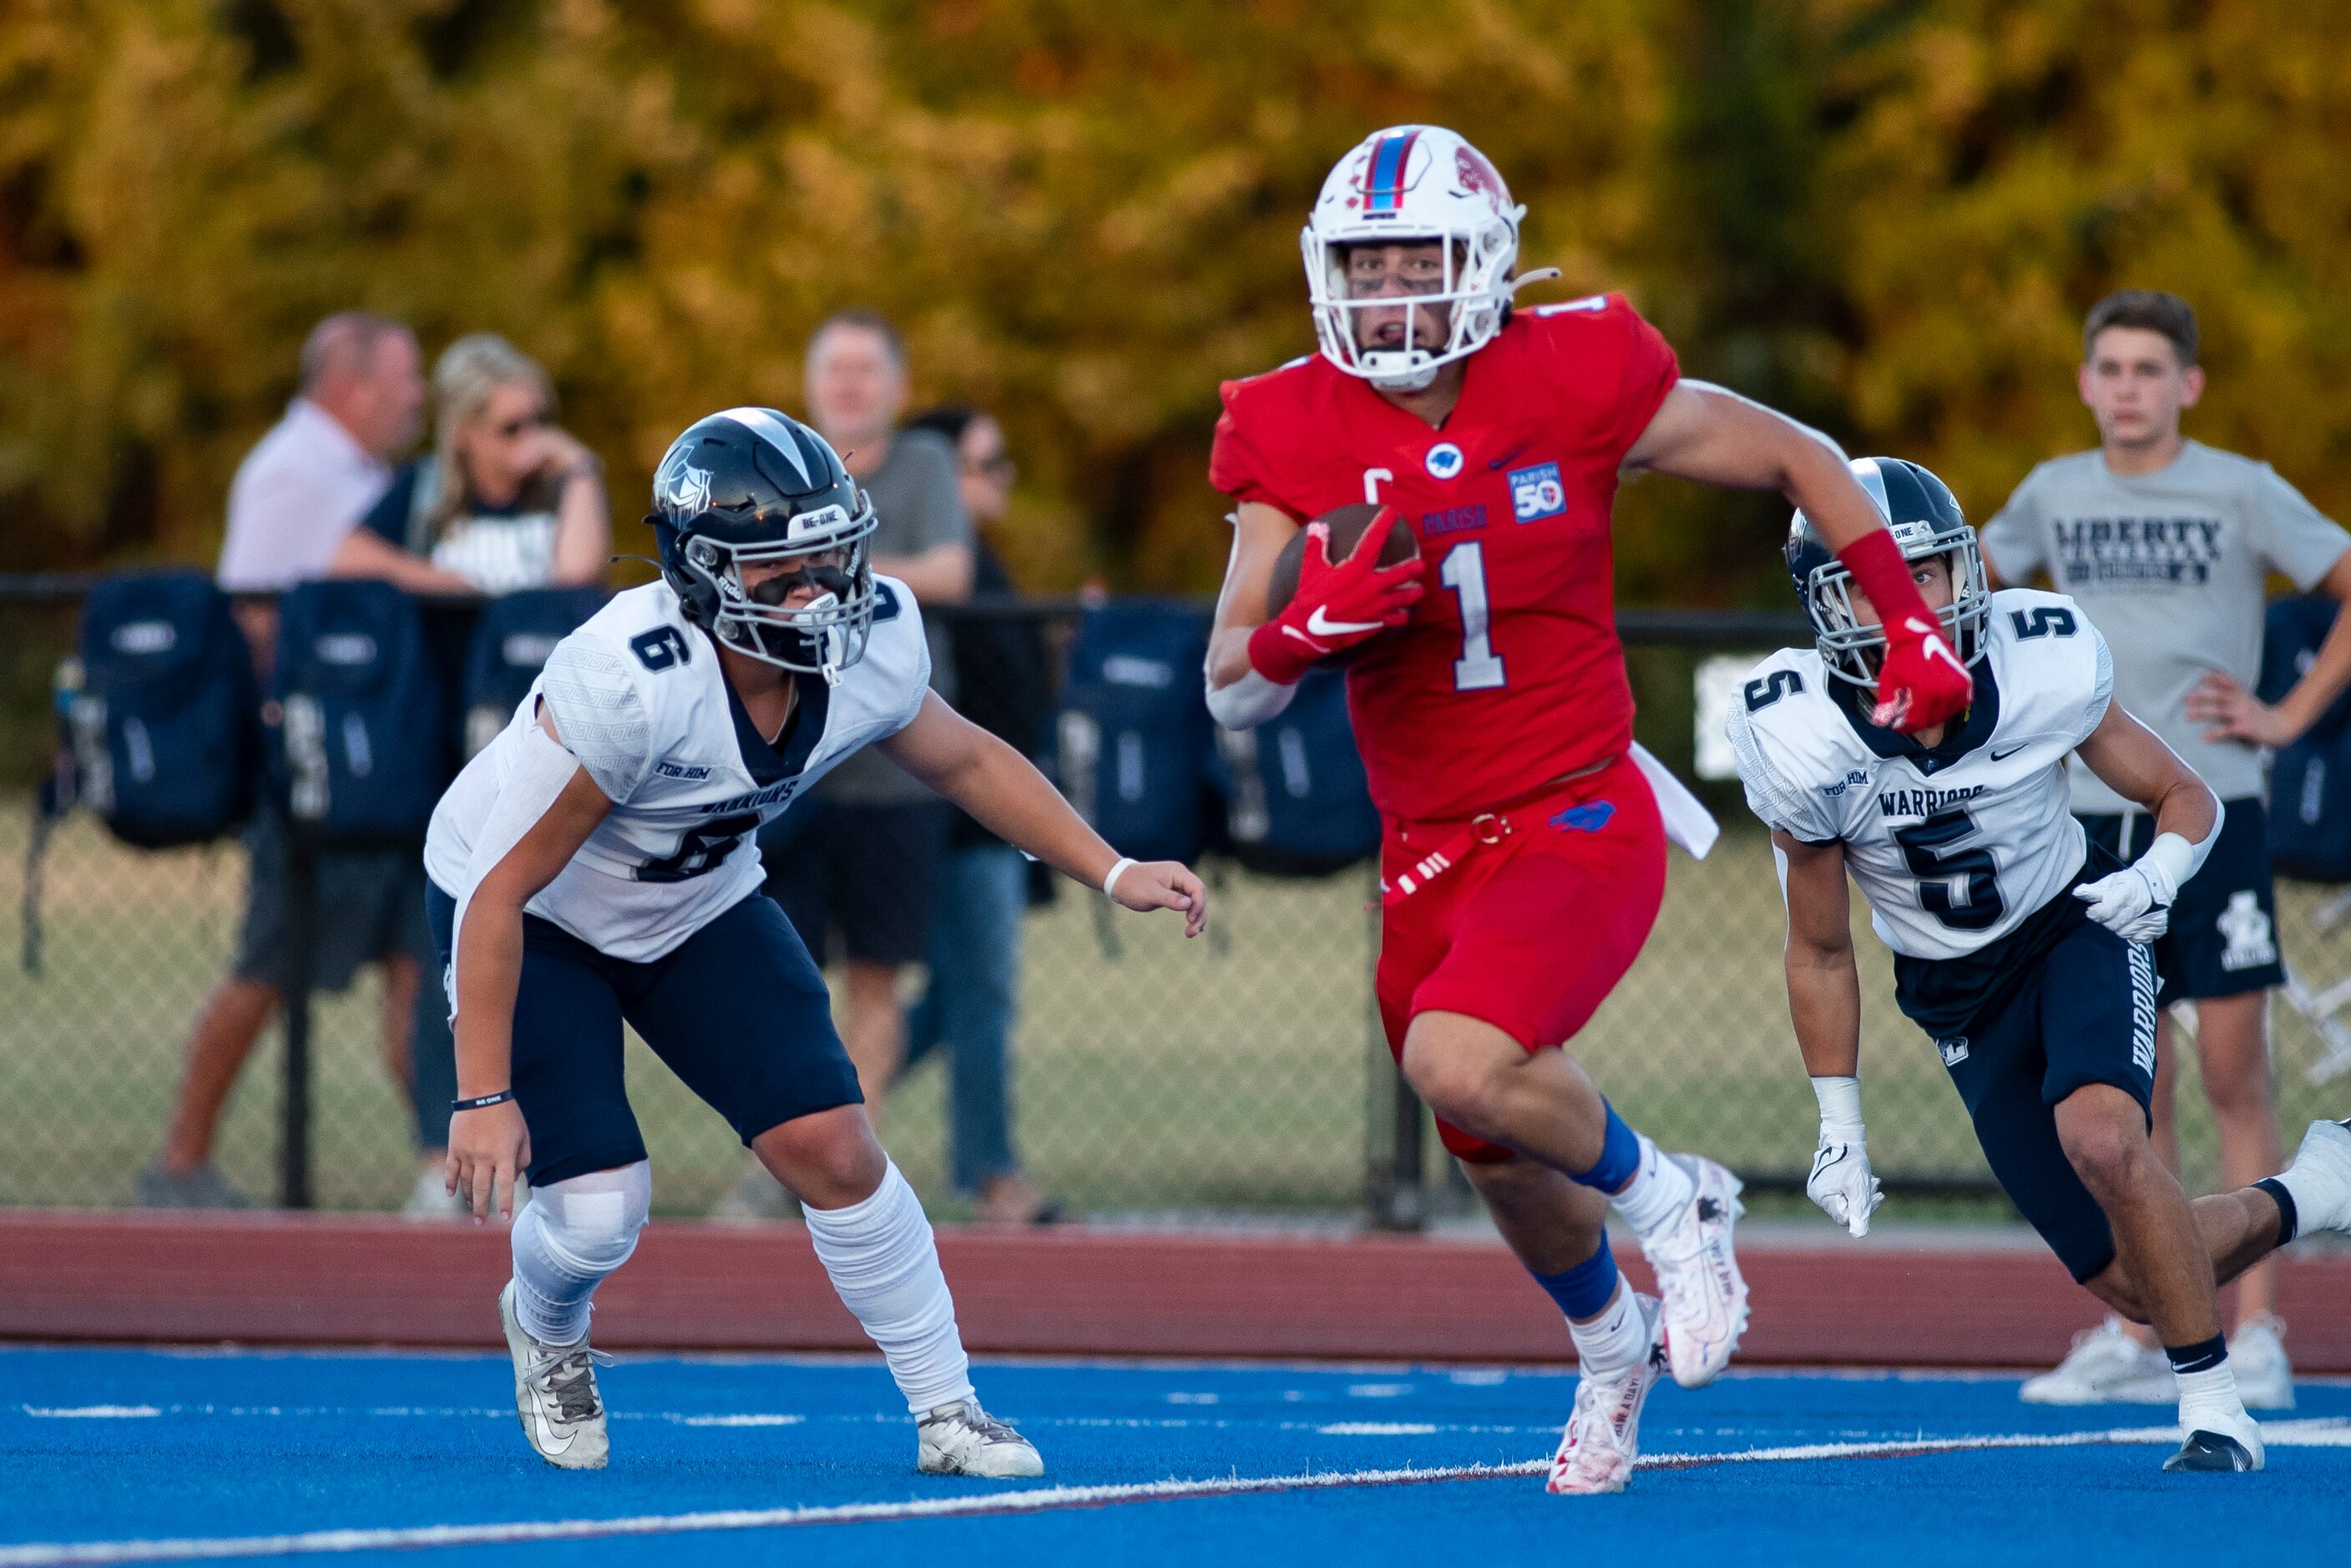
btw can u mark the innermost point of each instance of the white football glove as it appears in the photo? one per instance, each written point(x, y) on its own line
point(2135, 903)
point(1841, 1182)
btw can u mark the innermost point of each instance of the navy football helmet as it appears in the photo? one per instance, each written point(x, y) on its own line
point(751, 484)
point(1925, 519)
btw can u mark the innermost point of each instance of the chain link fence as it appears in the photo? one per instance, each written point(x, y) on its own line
point(1243, 1072)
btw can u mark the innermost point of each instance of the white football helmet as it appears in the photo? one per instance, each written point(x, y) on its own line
point(1413, 182)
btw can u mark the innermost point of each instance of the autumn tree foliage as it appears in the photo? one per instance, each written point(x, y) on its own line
point(1885, 215)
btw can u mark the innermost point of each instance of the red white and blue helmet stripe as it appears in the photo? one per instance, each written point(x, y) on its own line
point(1383, 183)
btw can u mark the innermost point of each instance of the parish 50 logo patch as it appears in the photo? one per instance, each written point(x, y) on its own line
point(1536, 492)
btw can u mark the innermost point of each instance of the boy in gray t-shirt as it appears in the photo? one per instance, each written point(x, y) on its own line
point(2168, 545)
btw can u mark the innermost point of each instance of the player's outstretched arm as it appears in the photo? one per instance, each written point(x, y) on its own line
point(1005, 793)
point(546, 810)
point(2135, 903)
point(1824, 1001)
point(1715, 436)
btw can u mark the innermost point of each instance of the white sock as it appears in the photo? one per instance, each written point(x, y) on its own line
point(1657, 1194)
point(568, 1237)
point(1614, 1342)
point(885, 1264)
point(2212, 1391)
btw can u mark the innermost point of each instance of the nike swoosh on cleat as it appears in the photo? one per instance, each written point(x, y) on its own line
point(548, 1443)
point(1322, 625)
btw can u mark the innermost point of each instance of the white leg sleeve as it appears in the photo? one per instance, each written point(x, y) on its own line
point(568, 1236)
point(883, 1261)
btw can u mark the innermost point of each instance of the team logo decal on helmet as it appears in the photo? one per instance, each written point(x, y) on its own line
point(1926, 521)
point(680, 490)
point(751, 486)
point(1413, 182)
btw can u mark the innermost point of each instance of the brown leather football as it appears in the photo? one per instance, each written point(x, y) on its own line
point(1347, 525)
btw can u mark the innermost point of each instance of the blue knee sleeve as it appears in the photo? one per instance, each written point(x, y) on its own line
point(1620, 1156)
point(1583, 1291)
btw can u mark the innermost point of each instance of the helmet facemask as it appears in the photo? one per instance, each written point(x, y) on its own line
point(1853, 649)
point(831, 550)
point(1473, 293)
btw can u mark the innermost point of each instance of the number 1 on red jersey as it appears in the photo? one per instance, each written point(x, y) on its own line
point(1478, 668)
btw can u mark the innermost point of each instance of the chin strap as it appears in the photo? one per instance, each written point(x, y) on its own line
point(1540, 274)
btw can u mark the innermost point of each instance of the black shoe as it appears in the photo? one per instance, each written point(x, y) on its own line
point(2210, 1451)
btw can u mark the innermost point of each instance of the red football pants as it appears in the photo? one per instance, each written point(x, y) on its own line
point(1529, 934)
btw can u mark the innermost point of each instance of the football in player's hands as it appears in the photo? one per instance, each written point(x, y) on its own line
point(1347, 525)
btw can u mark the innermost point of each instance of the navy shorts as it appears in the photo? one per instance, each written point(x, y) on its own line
point(2083, 1013)
point(739, 1012)
point(2224, 936)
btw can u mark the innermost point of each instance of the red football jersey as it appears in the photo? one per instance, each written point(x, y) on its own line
point(1510, 673)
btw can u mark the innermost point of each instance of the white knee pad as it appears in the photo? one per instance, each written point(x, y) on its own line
point(567, 1238)
point(588, 1225)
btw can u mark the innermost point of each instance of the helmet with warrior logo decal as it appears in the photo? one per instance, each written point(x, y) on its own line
point(748, 485)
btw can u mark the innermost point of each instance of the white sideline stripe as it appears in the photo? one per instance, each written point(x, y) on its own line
point(2322, 1433)
point(92, 1412)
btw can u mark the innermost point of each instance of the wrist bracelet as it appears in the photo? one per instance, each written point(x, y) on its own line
point(500, 1098)
point(1111, 879)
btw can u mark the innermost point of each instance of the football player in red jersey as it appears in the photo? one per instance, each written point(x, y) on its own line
point(1524, 860)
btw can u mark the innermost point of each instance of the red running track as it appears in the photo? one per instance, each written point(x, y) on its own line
point(363, 1280)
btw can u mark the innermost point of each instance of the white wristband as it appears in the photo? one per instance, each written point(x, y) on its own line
point(2170, 861)
point(1110, 880)
point(1840, 1099)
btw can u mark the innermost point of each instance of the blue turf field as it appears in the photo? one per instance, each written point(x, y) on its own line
point(123, 1447)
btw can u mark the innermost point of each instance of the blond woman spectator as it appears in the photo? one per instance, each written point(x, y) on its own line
point(506, 499)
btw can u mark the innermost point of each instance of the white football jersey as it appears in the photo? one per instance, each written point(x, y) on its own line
point(638, 696)
point(1955, 846)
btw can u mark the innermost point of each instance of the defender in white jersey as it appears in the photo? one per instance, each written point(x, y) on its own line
point(2019, 947)
point(595, 864)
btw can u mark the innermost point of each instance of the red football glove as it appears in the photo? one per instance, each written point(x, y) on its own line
point(1921, 682)
point(1335, 607)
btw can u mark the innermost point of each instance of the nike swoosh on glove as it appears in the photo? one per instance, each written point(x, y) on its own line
point(2129, 904)
point(1336, 606)
point(1922, 682)
point(1841, 1182)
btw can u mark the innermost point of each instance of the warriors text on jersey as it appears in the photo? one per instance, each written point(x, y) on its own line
point(638, 696)
point(1958, 845)
point(1509, 674)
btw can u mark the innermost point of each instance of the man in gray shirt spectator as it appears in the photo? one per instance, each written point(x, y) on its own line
point(865, 848)
point(2168, 544)
point(294, 511)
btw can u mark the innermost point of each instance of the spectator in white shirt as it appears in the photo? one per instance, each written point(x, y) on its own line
point(293, 514)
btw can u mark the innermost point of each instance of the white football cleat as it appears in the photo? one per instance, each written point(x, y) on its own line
point(2105, 1367)
point(1602, 1437)
point(2220, 1441)
point(1698, 1275)
point(555, 1393)
point(962, 1439)
point(2264, 1376)
point(2322, 1179)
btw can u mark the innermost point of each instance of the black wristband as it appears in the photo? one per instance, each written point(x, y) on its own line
point(500, 1098)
